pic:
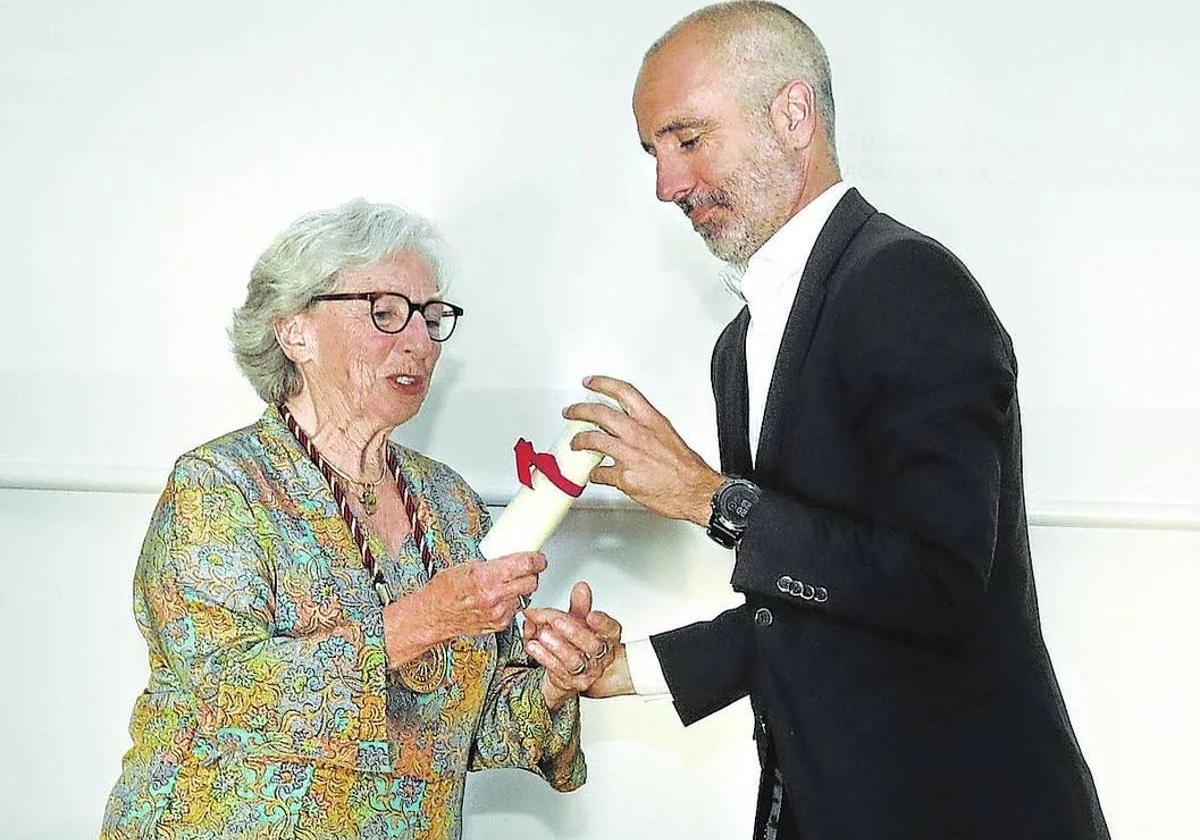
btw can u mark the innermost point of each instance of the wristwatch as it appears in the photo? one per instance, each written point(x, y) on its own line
point(731, 506)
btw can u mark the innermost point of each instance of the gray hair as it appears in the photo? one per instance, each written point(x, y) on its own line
point(766, 46)
point(306, 260)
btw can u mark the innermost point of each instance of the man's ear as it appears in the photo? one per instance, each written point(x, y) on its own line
point(794, 114)
point(295, 335)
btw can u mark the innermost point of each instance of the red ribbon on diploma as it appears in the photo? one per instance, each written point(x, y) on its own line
point(546, 464)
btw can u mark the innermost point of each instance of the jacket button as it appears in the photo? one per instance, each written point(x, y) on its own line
point(784, 584)
point(763, 617)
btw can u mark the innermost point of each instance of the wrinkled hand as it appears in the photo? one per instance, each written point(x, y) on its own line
point(480, 597)
point(574, 647)
point(652, 464)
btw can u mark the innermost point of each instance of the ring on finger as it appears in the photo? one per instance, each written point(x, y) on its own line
point(603, 651)
point(575, 672)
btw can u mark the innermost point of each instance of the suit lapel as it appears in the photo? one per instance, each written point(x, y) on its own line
point(848, 216)
point(729, 387)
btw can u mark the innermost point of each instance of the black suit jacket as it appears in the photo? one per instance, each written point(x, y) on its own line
point(890, 640)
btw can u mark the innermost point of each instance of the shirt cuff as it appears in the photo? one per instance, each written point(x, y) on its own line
point(645, 672)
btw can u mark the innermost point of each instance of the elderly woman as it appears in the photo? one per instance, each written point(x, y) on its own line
point(329, 654)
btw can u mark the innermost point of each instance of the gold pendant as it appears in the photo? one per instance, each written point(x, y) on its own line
point(427, 672)
point(369, 499)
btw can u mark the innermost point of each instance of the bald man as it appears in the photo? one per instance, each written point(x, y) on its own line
point(870, 483)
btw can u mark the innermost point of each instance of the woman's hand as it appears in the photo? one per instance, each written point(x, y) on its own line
point(574, 647)
point(469, 599)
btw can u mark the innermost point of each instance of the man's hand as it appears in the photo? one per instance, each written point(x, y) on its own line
point(652, 465)
point(575, 648)
point(615, 681)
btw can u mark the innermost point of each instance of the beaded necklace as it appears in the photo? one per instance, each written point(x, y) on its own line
point(428, 671)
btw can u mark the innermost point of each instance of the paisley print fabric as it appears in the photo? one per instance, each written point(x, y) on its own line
point(269, 711)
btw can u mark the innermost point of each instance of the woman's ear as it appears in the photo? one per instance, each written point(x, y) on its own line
point(296, 337)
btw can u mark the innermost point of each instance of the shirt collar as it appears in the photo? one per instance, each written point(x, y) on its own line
point(778, 264)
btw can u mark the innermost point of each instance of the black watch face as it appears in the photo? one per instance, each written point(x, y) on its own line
point(736, 503)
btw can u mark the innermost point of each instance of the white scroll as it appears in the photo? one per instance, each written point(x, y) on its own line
point(535, 512)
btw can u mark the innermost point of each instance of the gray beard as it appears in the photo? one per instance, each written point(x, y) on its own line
point(755, 191)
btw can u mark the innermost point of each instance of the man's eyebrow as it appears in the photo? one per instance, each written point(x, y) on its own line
point(684, 124)
point(681, 125)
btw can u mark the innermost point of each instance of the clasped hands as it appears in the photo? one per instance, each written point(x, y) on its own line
point(575, 647)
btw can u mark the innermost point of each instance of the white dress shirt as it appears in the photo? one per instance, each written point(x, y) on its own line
point(769, 286)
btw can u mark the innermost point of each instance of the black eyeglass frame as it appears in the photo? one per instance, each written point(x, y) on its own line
point(412, 307)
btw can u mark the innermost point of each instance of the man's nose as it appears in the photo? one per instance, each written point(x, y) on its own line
point(675, 179)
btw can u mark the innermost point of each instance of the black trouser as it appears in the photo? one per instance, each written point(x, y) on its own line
point(770, 813)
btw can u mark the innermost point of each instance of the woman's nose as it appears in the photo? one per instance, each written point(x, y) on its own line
point(415, 335)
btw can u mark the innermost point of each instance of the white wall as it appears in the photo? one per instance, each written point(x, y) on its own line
point(149, 151)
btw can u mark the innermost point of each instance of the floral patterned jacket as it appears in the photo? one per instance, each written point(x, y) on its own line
point(270, 711)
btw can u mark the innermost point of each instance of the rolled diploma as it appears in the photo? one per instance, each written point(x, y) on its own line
point(535, 512)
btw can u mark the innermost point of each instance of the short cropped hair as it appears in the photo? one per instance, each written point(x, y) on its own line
point(766, 46)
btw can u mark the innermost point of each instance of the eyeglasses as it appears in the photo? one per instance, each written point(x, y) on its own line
point(391, 312)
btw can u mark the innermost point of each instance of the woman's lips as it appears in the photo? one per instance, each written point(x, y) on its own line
point(407, 383)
